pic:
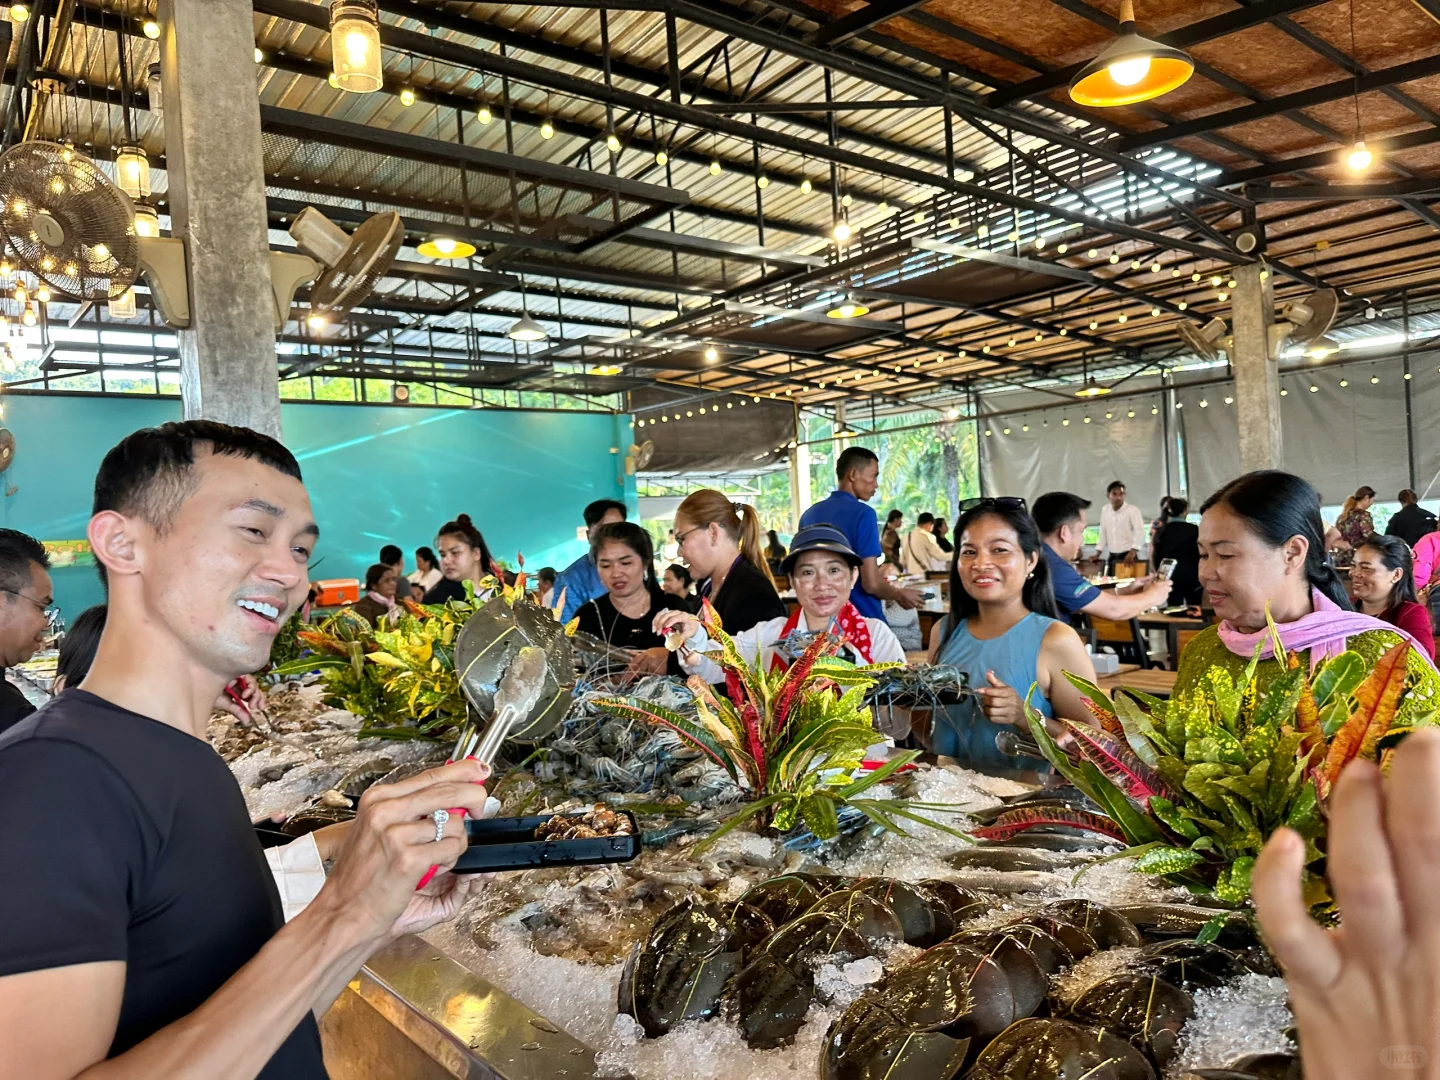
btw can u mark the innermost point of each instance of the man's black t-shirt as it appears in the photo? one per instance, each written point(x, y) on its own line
point(126, 839)
point(14, 705)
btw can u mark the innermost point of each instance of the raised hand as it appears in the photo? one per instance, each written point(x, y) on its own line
point(1366, 996)
point(1000, 703)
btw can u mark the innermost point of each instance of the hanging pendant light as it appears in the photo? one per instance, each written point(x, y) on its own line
point(152, 90)
point(446, 247)
point(1359, 158)
point(526, 329)
point(147, 220)
point(132, 171)
point(355, 45)
point(123, 306)
point(1131, 69)
point(849, 308)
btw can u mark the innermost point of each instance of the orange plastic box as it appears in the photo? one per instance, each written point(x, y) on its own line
point(336, 592)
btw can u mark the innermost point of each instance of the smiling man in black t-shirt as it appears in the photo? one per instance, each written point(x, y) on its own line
point(141, 933)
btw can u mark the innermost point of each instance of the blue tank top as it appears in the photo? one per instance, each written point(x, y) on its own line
point(962, 731)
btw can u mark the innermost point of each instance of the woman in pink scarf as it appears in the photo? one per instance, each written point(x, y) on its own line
point(379, 599)
point(1262, 546)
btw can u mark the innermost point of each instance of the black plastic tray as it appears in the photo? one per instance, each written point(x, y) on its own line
point(510, 844)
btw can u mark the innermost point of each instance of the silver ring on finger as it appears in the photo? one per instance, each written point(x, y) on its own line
point(440, 817)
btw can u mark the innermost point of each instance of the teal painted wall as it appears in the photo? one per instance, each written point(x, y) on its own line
point(377, 474)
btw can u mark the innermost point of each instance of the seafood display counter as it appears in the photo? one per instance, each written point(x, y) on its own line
point(767, 958)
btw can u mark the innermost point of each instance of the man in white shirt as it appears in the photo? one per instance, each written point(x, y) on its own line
point(919, 551)
point(1122, 529)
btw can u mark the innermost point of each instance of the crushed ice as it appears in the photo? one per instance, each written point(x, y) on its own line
point(1248, 1015)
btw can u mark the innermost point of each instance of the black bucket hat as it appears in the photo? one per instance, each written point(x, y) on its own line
point(819, 538)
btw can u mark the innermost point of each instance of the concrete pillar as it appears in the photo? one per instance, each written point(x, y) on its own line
point(217, 204)
point(1257, 374)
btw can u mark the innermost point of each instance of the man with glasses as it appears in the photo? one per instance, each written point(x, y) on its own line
point(26, 614)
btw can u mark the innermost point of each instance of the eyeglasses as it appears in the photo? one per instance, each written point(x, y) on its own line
point(680, 537)
point(52, 611)
point(1004, 502)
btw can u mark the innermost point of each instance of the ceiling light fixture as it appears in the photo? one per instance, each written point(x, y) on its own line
point(407, 96)
point(151, 29)
point(526, 329)
point(1322, 347)
point(661, 157)
point(446, 247)
point(355, 46)
point(484, 115)
point(547, 129)
point(843, 232)
point(603, 369)
point(1092, 389)
point(1360, 158)
point(612, 143)
point(1131, 69)
point(132, 171)
point(849, 308)
point(712, 354)
point(806, 186)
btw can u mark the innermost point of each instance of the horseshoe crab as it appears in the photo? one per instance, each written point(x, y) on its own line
point(1165, 921)
point(1190, 964)
point(782, 898)
point(1049, 952)
point(1028, 981)
point(1078, 942)
point(950, 988)
point(922, 917)
point(872, 919)
point(1253, 1067)
point(679, 970)
point(869, 1043)
point(963, 903)
point(1141, 1007)
point(1046, 1049)
point(1106, 925)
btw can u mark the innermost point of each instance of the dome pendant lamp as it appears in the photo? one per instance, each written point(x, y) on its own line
point(1131, 69)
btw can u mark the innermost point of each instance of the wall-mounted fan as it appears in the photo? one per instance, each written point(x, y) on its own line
point(638, 456)
point(7, 449)
point(346, 266)
point(1207, 340)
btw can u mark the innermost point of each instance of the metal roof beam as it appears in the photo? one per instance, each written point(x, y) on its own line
point(1302, 99)
point(1392, 189)
point(861, 19)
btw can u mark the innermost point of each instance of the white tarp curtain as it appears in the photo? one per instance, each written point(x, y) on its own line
point(1080, 458)
point(1338, 438)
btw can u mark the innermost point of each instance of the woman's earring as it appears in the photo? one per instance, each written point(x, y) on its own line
point(1030, 576)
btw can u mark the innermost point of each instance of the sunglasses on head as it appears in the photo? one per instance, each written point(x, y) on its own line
point(1004, 502)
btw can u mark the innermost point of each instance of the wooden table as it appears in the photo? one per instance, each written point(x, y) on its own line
point(1155, 681)
point(1172, 625)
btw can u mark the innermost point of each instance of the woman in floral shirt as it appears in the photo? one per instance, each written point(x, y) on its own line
point(1355, 523)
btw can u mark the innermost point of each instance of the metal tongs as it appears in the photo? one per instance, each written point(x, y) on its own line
point(514, 698)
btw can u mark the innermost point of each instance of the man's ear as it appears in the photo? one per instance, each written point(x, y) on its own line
point(115, 540)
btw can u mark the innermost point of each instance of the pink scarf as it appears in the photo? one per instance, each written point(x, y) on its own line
point(383, 601)
point(1324, 632)
point(848, 622)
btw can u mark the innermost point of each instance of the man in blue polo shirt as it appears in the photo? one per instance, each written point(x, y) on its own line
point(1060, 517)
point(580, 581)
point(857, 474)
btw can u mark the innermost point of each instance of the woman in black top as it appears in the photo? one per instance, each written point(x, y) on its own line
point(464, 557)
point(623, 615)
point(942, 535)
point(1179, 540)
point(721, 542)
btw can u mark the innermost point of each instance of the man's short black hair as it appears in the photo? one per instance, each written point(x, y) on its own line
point(852, 458)
point(1055, 509)
point(599, 508)
point(1178, 507)
point(390, 554)
point(148, 473)
point(1113, 485)
point(893, 516)
point(17, 551)
point(926, 518)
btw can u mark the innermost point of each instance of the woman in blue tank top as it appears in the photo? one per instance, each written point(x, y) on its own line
point(1002, 631)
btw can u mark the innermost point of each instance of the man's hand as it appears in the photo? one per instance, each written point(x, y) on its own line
point(909, 599)
point(392, 844)
point(1129, 559)
point(1000, 703)
point(251, 699)
point(1365, 995)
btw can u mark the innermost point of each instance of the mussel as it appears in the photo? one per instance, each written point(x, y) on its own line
point(1107, 926)
point(869, 1042)
point(1046, 1049)
point(314, 817)
point(680, 969)
point(1138, 1006)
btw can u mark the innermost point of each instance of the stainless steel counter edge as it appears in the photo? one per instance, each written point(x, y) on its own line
point(470, 1028)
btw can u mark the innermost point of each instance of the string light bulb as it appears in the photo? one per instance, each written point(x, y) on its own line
point(661, 157)
point(151, 29)
point(547, 129)
point(715, 167)
point(843, 232)
point(484, 115)
point(19, 12)
point(1360, 158)
point(407, 96)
